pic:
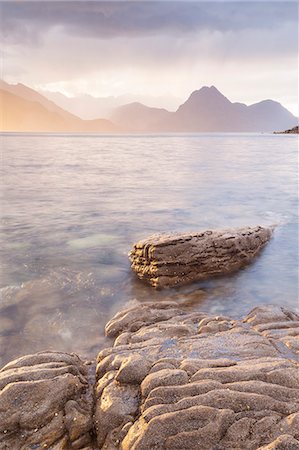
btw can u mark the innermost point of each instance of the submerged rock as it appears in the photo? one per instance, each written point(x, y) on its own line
point(172, 380)
point(176, 259)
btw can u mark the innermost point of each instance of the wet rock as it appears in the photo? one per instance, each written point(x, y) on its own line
point(45, 402)
point(177, 259)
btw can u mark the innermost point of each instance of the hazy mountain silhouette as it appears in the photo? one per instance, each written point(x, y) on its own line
point(138, 117)
point(207, 110)
point(89, 107)
point(23, 109)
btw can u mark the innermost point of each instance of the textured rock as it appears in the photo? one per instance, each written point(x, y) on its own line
point(174, 380)
point(177, 259)
point(45, 402)
point(208, 382)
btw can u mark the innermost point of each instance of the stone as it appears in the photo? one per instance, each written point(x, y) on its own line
point(222, 384)
point(133, 370)
point(284, 442)
point(176, 259)
point(117, 405)
point(173, 380)
point(46, 402)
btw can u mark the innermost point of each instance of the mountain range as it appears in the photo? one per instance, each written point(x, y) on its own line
point(24, 109)
point(87, 106)
point(206, 110)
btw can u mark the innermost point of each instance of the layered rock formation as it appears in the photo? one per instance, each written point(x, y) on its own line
point(199, 382)
point(177, 259)
point(46, 402)
point(173, 380)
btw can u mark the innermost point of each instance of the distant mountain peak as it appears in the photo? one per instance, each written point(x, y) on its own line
point(204, 98)
point(206, 110)
point(207, 94)
point(209, 89)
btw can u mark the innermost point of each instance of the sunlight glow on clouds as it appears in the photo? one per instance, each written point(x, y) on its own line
point(248, 50)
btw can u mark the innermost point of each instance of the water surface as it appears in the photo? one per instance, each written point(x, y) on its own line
point(72, 206)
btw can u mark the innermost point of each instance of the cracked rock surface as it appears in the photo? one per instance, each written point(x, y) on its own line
point(176, 259)
point(174, 379)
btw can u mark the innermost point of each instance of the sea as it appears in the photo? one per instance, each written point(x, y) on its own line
point(72, 206)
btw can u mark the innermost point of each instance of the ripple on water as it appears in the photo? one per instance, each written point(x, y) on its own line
point(73, 206)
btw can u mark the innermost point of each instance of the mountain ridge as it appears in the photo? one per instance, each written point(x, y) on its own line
point(87, 106)
point(208, 110)
point(24, 109)
point(205, 110)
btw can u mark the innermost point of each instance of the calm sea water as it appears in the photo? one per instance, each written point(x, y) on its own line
point(73, 205)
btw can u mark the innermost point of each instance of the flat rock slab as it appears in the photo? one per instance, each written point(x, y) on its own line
point(177, 259)
point(174, 379)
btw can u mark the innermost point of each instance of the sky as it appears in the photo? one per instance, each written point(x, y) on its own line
point(248, 50)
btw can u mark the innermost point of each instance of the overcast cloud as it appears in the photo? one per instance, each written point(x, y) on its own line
point(247, 49)
point(110, 19)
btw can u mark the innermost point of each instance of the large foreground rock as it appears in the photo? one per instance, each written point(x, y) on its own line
point(177, 259)
point(172, 380)
point(187, 381)
point(46, 401)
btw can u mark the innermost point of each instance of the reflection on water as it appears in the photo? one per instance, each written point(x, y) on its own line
point(72, 206)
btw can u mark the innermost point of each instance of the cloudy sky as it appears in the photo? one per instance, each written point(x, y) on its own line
point(248, 50)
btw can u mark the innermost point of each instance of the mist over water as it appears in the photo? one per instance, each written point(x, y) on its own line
point(73, 205)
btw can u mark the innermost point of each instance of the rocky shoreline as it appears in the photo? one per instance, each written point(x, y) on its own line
point(294, 130)
point(172, 380)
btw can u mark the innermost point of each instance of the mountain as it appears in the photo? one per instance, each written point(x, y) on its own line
point(138, 117)
point(207, 110)
point(87, 106)
point(23, 109)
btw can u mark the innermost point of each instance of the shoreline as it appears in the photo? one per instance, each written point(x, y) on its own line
point(171, 380)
